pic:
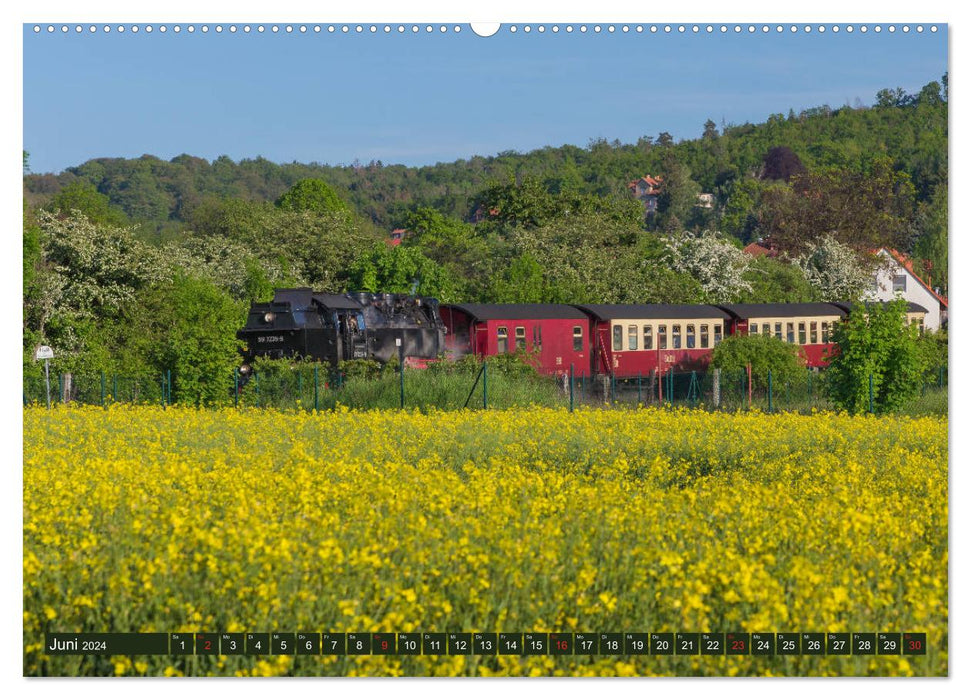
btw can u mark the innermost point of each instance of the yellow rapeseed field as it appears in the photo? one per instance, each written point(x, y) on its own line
point(142, 519)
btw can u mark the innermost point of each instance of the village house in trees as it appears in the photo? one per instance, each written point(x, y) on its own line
point(899, 279)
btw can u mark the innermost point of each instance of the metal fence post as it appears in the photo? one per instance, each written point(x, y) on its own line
point(485, 384)
point(162, 383)
point(871, 392)
point(770, 391)
point(401, 373)
point(638, 388)
point(114, 388)
point(571, 387)
point(316, 386)
point(103, 390)
point(716, 389)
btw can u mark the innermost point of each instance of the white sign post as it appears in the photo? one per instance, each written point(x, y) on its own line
point(46, 354)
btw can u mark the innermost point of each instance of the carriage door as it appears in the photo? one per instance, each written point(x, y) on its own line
point(480, 342)
point(353, 335)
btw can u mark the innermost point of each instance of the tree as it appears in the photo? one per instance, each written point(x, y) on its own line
point(930, 245)
point(522, 283)
point(512, 203)
point(740, 215)
point(718, 266)
point(836, 271)
point(763, 353)
point(195, 328)
point(664, 139)
point(774, 281)
point(311, 194)
point(711, 131)
point(592, 259)
point(781, 163)
point(896, 97)
point(230, 266)
point(878, 346)
point(400, 270)
point(864, 209)
point(85, 198)
point(87, 275)
point(307, 247)
point(679, 195)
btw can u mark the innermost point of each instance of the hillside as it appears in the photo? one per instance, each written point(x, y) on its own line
point(910, 130)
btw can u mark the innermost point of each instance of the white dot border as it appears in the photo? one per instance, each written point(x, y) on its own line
point(517, 29)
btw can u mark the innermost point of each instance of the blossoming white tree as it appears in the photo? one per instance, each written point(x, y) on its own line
point(836, 270)
point(716, 264)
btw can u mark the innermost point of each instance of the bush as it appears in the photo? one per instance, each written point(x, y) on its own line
point(764, 353)
point(878, 346)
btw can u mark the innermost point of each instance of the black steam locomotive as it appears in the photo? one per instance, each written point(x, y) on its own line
point(302, 323)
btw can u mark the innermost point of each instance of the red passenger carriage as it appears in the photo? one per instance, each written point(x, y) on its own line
point(630, 340)
point(555, 334)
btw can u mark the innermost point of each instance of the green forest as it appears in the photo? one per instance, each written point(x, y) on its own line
point(139, 265)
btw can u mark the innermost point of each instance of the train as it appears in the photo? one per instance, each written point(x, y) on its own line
point(620, 340)
point(300, 323)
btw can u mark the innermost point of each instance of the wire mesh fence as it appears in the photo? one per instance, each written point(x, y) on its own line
point(317, 387)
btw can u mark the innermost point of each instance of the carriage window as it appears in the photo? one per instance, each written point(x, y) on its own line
point(648, 338)
point(676, 336)
point(632, 337)
point(690, 339)
point(704, 335)
point(577, 339)
point(790, 333)
point(766, 329)
point(718, 333)
point(502, 338)
point(802, 332)
point(618, 338)
point(753, 329)
point(662, 337)
point(825, 328)
point(813, 333)
point(778, 331)
point(537, 338)
point(520, 337)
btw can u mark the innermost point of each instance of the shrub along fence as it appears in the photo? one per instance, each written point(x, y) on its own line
point(317, 387)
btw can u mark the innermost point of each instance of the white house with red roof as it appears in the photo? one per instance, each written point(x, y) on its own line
point(647, 190)
point(897, 278)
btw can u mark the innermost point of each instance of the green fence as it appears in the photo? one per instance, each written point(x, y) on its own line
point(315, 387)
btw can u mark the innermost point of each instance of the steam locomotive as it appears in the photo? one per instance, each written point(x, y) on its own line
point(302, 323)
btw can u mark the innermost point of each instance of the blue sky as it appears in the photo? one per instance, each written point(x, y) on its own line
point(334, 98)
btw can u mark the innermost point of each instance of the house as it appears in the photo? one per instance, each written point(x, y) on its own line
point(896, 277)
point(646, 189)
point(757, 250)
point(396, 237)
point(706, 200)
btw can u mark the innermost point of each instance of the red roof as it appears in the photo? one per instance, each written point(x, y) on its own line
point(396, 236)
point(909, 265)
point(755, 250)
point(650, 181)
